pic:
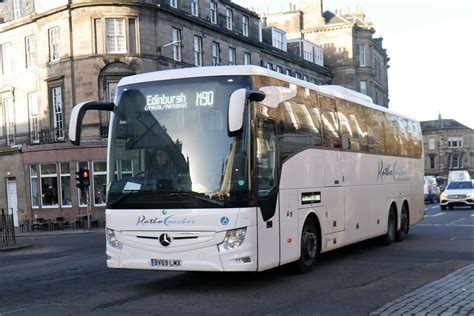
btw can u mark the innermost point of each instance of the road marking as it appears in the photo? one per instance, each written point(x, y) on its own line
point(437, 214)
point(445, 225)
point(472, 215)
point(433, 207)
point(459, 220)
point(31, 307)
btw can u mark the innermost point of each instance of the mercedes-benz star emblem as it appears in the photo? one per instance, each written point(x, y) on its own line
point(165, 240)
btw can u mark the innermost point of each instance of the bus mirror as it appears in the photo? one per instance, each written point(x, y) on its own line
point(78, 113)
point(275, 95)
point(237, 102)
point(255, 95)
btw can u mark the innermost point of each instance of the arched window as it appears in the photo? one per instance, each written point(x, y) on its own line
point(109, 77)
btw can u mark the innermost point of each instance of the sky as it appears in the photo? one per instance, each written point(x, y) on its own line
point(430, 44)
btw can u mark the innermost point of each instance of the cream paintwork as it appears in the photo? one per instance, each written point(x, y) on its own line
point(352, 192)
point(363, 199)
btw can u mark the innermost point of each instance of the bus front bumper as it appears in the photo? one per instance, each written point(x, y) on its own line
point(205, 257)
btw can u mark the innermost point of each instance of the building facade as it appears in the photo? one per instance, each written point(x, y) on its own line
point(357, 59)
point(57, 53)
point(449, 146)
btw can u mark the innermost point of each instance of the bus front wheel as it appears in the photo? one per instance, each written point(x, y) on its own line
point(309, 247)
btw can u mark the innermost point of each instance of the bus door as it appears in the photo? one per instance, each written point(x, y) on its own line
point(267, 190)
point(332, 196)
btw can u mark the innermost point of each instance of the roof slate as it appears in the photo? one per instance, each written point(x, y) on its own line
point(441, 124)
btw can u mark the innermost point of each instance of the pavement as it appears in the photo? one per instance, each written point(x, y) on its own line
point(451, 295)
point(16, 246)
point(20, 244)
point(59, 232)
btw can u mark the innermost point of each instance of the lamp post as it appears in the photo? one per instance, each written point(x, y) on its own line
point(168, 44)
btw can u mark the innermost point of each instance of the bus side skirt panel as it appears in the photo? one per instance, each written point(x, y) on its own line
point(268, 240)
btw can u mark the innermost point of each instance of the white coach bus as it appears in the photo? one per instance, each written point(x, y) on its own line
point(238, 168)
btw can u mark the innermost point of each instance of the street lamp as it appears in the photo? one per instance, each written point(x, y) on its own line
point(168, 44)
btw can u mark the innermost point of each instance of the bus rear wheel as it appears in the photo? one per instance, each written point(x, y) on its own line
point(389, 237)
point(309, 247)
point(404, 224)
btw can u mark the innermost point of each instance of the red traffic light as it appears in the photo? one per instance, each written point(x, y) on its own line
point(85, 173)
point(85, 178)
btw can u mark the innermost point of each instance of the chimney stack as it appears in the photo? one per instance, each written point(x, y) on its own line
point(312, 13)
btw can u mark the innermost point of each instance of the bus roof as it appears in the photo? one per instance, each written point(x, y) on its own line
point(249, 70)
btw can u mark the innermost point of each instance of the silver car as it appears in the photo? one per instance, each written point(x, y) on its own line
point(458, 193)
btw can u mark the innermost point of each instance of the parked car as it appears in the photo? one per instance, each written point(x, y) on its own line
point(458, 193)
point(431, 190)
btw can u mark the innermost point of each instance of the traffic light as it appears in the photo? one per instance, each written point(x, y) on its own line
point(79, 181)
point(83, 179)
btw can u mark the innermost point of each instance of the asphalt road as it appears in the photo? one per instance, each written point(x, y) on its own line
point(66, 274)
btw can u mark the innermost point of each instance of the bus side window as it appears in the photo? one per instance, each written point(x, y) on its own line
point(376, 129)
point(330, 122)
point(266, 156)
point(299, 126)
point(404, 138)
point(347, 135)
point(392, 135)
point(353, 126)
point(357, 120)
point(415, 139)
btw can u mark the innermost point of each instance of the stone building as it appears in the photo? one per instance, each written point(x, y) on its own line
point(57, 53)
point(449, 145)
point(357, 59)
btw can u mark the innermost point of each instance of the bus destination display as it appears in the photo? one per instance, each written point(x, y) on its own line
point(163, 101)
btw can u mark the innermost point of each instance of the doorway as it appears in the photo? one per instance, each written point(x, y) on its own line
point(12, 199)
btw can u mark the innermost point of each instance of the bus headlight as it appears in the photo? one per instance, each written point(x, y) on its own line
point(111, 239)
point(233, 239)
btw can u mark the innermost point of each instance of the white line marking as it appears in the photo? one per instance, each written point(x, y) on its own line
point(444, 225)
point(31, 307)
point(437, 214)
point(426, 208)
point(433, 207)
point(472, 215)
point(459, 220)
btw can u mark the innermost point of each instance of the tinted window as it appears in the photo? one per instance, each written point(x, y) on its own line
point(298, 119)
point(353, 126)
point(414, 142)
point(403, 135)
point(392, 135)
point(330, 122)
point(376, 129)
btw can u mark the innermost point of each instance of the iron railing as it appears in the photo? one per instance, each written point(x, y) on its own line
point(7, 228)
